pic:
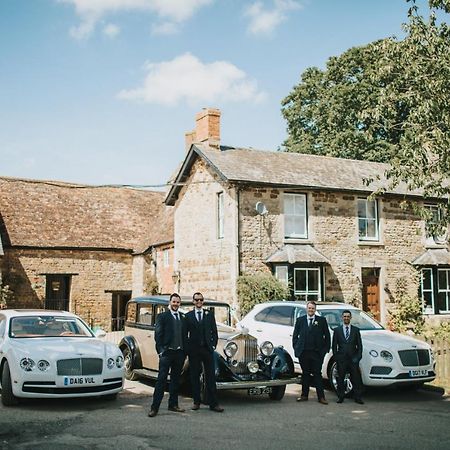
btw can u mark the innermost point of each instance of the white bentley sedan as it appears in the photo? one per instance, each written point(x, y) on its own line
point(388, 358)
point(51, 354)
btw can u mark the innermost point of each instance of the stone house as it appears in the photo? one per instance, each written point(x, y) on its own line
point(307, 219)
point(85, 249)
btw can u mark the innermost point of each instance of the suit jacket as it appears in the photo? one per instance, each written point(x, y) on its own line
point(320, 335)
point(205, 331)
point(351, 349)
point(164, 331)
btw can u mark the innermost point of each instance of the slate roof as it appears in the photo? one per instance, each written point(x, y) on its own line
point(433, 257)
point(282, 169)
point(297, 253)
point(36, 213)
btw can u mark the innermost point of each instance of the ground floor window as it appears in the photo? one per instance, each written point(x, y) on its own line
point(305, 282)
point(435, 290)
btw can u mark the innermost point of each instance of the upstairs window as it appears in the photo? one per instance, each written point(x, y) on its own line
point(368, 227)
point(432, 224)
point(220, 216)
point(166, 260)
point(295, 217)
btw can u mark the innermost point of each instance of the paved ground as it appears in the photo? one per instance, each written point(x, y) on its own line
point(390, 419)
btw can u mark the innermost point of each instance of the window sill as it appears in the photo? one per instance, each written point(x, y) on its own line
point(371, 243)
point(436, 246)
point(297, 241)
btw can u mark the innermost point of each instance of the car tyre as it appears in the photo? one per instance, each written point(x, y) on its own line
point(277, 393)
point(203, 392)
point(8, 398)
point(128, 364)
point(332, 378)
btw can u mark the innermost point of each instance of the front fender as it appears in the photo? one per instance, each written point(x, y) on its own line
point(130, 342)
point(282, 365)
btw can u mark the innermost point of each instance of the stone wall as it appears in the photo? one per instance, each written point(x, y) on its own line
point(205, 262)
point(93, 273)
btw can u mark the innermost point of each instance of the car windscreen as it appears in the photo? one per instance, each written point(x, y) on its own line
point(221, 312)
point(47, 326)
point(359, 319)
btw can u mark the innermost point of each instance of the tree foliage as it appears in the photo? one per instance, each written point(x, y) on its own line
point(388, 101)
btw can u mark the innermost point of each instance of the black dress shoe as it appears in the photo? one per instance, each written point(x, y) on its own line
point(195, 406)
point(323, 401)
point(216, 408)
point(340, 400)
point(152, 413)
point(358, 400)
point(176, 409)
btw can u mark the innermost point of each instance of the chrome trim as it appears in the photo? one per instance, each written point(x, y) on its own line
point(260, 383)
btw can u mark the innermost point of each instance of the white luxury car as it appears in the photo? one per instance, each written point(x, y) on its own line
point(51, 354)
point(388, 358)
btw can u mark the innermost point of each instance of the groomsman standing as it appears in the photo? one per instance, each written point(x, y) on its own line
point(347, 351)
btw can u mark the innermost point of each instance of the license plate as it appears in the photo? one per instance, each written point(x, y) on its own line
point(259, 390)
point(418, 373)
point(79, 381)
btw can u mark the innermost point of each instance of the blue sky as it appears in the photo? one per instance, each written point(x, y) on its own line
point(102, 91)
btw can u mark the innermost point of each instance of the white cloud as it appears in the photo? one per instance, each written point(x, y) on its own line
point(265, 20)
point(165, 28)
point(111, 30)
point(168, 11)
point(186, 78)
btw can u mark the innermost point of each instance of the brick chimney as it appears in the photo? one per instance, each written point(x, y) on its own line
point(207, 129)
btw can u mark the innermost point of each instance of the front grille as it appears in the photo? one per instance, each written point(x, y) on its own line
point(414, 358)
point(247, 351)
point(380, 370)
point(80, 366)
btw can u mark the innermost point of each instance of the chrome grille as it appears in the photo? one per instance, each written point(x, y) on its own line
point(412, 358)
point(247, 351)
point(79, 366)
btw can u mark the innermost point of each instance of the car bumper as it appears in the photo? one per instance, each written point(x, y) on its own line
point(222, 385)
point(400, 378)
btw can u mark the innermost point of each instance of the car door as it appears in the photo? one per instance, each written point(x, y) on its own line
point(144, 333)
point(275, 324)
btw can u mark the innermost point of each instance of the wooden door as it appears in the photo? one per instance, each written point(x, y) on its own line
point(371, 293)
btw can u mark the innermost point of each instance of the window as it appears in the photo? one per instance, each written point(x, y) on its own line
point(295, 223)
point(145, 314)
point(307, 284)
point(279, 315)
point(131, 312)
point(443, 298)
point(281, 274)
point(166, 260)
point(427, 293)
point(367, 220)
point(220, 216)
point(432, 224)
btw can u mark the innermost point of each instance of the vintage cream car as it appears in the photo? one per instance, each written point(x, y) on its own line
point(51, 354)
point(388, 358)
point(239, 362)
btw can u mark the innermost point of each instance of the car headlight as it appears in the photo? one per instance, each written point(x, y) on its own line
point(387, 356)
point(119, 361)
point(43, 365)
point(373, 353)
point(110, 363)
point(266, 348)
point(230, 349)
point(253, 367)
point(27, 364)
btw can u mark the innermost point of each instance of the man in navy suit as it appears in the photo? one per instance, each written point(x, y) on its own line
point(311, 341)
point(171, 344)
point(202, 341)
point(347, 351)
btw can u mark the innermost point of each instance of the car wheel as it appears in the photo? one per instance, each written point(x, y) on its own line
point(128, 364)
point(203, 392)
point(8, 398)
point(277, 392)
point(333, 375)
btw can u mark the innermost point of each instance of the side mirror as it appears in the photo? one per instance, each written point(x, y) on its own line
point(100, 333)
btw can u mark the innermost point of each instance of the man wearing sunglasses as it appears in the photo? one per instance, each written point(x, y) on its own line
point(202, 341)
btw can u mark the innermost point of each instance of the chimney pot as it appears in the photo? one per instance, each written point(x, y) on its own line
point(207, 127)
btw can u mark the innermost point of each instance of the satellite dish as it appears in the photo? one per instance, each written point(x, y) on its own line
point(261, 208)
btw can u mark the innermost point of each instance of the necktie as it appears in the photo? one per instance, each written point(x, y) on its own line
point(199, 315)
point(310, 322)
point(176, 316)
point(347, 333)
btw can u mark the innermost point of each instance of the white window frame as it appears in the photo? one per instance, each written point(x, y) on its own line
point(220, 215)
point(425, 310)
point(303, 216)
point(280, 276)
point(366, 220)
point(308, 292)
point(446, 290)
point(166, 258)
